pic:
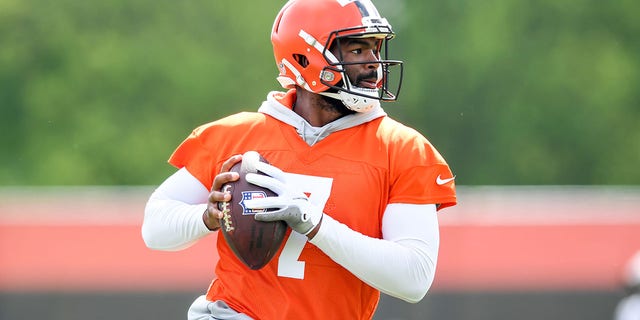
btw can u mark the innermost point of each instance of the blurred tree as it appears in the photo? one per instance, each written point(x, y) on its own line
point(535, 92)
point(101, 93)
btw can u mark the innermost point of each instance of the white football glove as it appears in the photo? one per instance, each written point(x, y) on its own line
point(292, 205)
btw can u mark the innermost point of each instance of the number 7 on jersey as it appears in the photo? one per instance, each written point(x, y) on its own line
point(318, 189)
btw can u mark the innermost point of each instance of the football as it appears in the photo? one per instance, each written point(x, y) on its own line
point(253, 242)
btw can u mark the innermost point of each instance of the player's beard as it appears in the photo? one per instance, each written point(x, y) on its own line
point(335, 106)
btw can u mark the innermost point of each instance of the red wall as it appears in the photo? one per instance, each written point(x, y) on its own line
point(512, 242)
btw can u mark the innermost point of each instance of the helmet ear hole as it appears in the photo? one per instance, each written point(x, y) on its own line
point(301, 59)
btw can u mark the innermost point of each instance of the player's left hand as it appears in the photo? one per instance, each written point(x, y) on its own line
point(292, 206)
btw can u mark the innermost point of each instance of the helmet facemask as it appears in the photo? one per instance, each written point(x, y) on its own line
point(354, 97)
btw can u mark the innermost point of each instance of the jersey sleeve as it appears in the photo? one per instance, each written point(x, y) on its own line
point(419, 184)
point(208, 146)
point(193, 155)
point(422, 179)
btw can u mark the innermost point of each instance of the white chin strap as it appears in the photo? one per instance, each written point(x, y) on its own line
point(355, 102)
point(358, 103)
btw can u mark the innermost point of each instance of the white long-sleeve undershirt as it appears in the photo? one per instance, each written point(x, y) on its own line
point(173, 214)
point(401, 264)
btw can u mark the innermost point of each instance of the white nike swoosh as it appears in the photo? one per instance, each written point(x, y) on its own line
point(440, 181)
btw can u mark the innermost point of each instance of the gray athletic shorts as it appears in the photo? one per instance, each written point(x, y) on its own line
point(202, 309)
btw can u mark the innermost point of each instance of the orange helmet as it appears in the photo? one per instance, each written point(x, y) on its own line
point(302, 35)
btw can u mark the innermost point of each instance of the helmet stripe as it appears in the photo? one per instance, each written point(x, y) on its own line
point(310, 40)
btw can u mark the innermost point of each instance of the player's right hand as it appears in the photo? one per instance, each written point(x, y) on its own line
point(213, 214)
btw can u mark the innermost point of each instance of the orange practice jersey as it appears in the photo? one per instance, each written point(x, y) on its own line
point(355, 172)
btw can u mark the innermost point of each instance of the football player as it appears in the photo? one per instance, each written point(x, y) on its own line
point(367, 221)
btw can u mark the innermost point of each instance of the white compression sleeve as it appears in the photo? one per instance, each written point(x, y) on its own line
point(173, 214)
point(402, 264)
